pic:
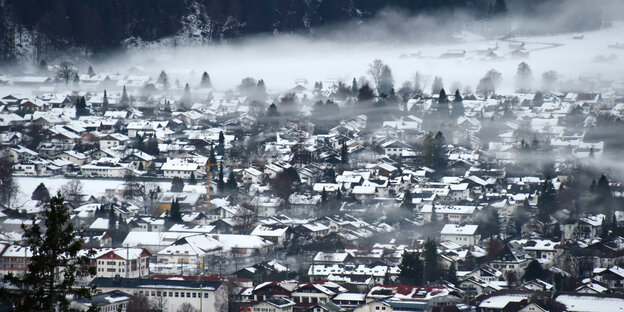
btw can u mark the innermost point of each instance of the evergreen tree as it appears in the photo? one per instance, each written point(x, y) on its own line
point(112, 219)
point(432, 268)
point(412, 269)
point(344, 154)
point(365, 94)
point(177, 184)
point(354, 87)
point(386, 82)
point(451, 275)
point(205, 81)
point(443, 98)
point(407, 201)
point(81, 107)
point(175, 215)
point(231, 184)
point(41, 193)
point(54, 250)
point(105, 102)
point(272, 111)
point(90, 71)
point(163, 79)
point(212, 159)
point(547, 203)
point(192, 179)
point(489, 225)
point(220, 183)
point(458, 105)
point(534, 271)
point(124, 101)
point(434, 215)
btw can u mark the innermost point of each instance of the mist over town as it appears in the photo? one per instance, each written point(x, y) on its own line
point(296, 155)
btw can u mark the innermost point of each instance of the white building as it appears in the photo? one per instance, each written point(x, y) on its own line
point(465, 235)
point(175, 167)
point(206, 296)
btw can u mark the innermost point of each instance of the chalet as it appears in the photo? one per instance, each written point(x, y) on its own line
point(124, 262)
point(465, 235)
point(113, 140)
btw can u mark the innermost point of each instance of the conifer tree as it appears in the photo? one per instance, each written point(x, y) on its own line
point(105, 102)
point(41, 193)
point(205, 81)
point(55, 252)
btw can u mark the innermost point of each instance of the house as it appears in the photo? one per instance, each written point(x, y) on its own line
point(181, 168)
point(209, 295)
point(274, 304)
point(113, 141)
point(465, 235)
point(109, 301)
point(274, 233)
point(124, 262)
point(397, 148)
point(455, 214)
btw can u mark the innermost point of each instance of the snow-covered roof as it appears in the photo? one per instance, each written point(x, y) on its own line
point(456, 229)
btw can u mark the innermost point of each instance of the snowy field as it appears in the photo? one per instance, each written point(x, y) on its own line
point(96, 187)
point(281, 61)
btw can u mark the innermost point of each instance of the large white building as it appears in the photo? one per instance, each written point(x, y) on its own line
point(205, 296)
point(465, 235)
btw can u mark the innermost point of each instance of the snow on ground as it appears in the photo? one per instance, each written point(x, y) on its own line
point(280, 61)
point(96, 187)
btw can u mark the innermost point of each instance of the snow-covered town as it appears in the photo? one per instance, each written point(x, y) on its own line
point(133, 190)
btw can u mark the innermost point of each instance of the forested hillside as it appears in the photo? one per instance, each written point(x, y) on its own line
point(100, 25)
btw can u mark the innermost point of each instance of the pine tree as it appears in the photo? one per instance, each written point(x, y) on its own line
point(220, 183)
point(177, 185)
point(354, 87)
point(443, 98)
point(434, 215)
point(407, 201)
point(112, 219)
point(412, 269)
point(175, 214)
point(451, 275)
point(547, 203)
point(41, 193)
point(163, 79)
point(432, 269)
point(105, 102)
point(212, 159)
point(231, 184)
point(533, 271)
point(124, 101)
point(344, 154)
point(54, 250)
point(81, 107)
point(192, 179)
point(205, 81)
point(90, 71)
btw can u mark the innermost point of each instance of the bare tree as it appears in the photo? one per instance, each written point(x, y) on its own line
point(159, 304)
point(149, 193)
point(245, 219)
point(132, 188)
point(187, 307)
point(66, 72)
point(138, 303)
point(72, 191)
point(376, 69)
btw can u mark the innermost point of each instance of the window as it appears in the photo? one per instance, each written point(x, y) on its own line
point(177, 294)
point(205, 296)
point(188, 295)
